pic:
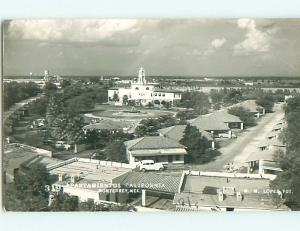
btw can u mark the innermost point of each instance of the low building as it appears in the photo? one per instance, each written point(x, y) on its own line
point(213, 125)
point(176, 133)
point(17, 155)
point(160, 149)
point(111, 125)
point(90, 180)
point(141, 92)
point(271, 144)
point(262, 162)
point(233, 122)
point(251, 105)
point(204, 191)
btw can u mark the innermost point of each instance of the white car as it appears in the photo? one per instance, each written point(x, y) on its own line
point(150, 165)
point(63, 145)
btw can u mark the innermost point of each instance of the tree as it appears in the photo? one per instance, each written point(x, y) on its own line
point(65, 83)
point(199, 101)
point(64, 202)
point(28, 192)
point(244, 114)
point(289, 178)
point(115, 97)
point(125, 99)
point(49, 88)
point(197, 145)
point(267, 102)
point(116, 151)
point(149, 127)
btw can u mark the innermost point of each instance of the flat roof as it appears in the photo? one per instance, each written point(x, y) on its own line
point(90, 172)
point(199, 183)
point(202, 191)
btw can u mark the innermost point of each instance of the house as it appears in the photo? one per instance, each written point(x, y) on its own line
point(251, 105)
point(89, 180)
point(17, 155)
point(111, 125)
point(213, 125)
point(143, 93)
point(158, 148)
point(263, 162)
point(176, 133)
point(271, 144)
point(208, 191)
point(233, 122)
point(273, 134)
point(156, 191)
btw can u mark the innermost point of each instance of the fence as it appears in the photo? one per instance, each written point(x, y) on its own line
point(226, 174)
point(63, 163)
point(107, 163)
point(40, 151)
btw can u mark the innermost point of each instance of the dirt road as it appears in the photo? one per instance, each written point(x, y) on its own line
point(238, 151)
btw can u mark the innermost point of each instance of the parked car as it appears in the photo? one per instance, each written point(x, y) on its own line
point(150, 165)
point(62, 145)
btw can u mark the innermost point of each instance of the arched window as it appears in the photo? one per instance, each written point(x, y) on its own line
point(136, 88)
point(147, 88)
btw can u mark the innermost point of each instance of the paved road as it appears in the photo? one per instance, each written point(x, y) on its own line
point(244, 145)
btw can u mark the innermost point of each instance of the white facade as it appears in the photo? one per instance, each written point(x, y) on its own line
point(142, 93)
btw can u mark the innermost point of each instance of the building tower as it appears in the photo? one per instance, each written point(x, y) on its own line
point(142, 77)
point(46, 75)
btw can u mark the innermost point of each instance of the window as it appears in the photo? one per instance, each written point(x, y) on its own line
point(177, 157)
point(159, 94)
point(147, 88)
point(136, 88)
point(155, 94)
point(163, 95)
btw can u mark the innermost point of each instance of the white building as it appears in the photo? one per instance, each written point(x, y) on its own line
point(142, 92)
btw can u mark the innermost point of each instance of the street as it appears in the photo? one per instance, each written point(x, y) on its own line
point(238, 151)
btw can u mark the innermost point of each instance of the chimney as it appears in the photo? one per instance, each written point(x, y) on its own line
point(220, 195)
point(239, 196)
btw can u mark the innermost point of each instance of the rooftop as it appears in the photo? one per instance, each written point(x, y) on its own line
point(271, 142)
point(108, 125)
point(176, 132)
point(224, 116)
point(203, 191)
point(248, 104)
point(152, 142)
point(152, 181)
point(90, 172)
point(209, 123)
point(261, 155)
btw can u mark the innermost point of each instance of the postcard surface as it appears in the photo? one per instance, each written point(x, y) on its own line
point(151, 115)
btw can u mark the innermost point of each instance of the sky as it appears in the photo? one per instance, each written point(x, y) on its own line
point(176, 47)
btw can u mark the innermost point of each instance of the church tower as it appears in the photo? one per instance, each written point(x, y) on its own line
point(142, 77)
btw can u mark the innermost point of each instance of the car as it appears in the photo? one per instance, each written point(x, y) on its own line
point(150, 165)
point(62, 145)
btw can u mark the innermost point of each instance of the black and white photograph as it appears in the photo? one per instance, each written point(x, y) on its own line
point(151, 115)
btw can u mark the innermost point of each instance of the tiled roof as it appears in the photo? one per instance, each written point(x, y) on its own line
point(176, 132)
point(152, 142)
point(271, 142)
point(224, 116)
point(248, 104)
point(108, 125)
point(153, 181)
point(261, 155)
point(208, 123)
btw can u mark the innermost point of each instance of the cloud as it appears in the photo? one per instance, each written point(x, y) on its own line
point(217, 43)
point(255, 39)
point(69, 30)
